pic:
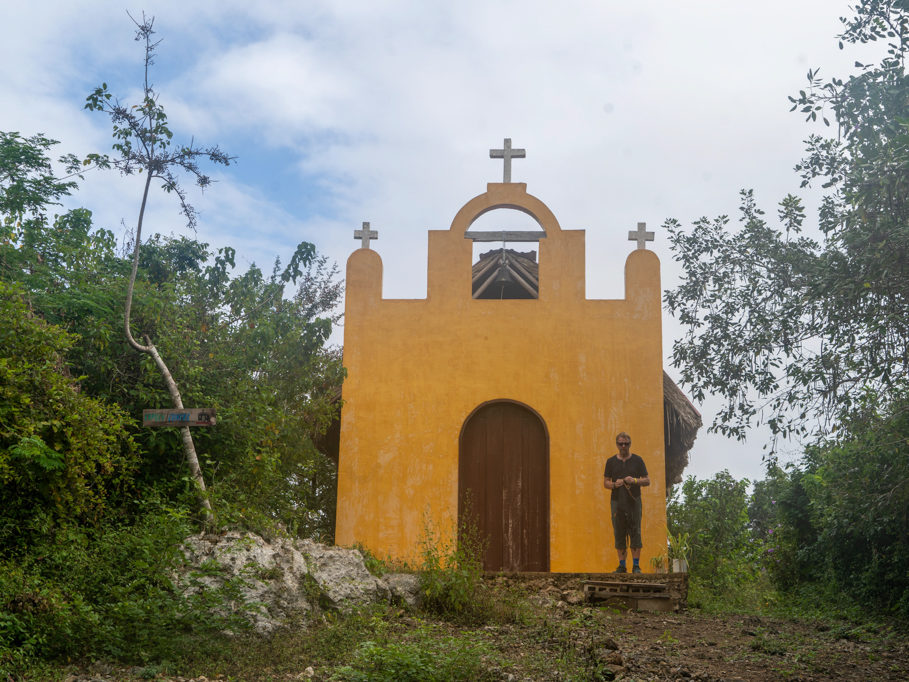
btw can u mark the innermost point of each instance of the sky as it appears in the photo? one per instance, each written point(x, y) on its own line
point(385, 111)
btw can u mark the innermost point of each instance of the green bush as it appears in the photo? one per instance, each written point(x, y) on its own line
point(714, 515)
point(63, 454)
point(836, 522)
point(107, 592)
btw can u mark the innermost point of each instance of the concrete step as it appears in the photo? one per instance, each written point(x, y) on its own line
point(632, 594)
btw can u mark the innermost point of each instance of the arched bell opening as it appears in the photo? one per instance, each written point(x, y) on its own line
point(506, 251)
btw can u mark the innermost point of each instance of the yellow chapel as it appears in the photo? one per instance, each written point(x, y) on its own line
point(500, 394)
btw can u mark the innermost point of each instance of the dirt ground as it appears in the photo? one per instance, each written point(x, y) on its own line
point(690, 645)
point(561, 636)
point(651, 646)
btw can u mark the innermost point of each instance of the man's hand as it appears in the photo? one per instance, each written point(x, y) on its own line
point(628, 480)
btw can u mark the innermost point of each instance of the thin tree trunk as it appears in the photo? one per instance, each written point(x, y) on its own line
point(132, 276)
point(189, 447)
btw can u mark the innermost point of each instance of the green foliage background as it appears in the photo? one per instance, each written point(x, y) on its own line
point(62, 453)
point(92, 506)
point(236, 342)
point(810, 336)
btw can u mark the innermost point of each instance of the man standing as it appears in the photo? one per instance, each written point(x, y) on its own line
point(625, 475)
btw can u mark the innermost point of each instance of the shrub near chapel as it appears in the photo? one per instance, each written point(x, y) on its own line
point(62, 453)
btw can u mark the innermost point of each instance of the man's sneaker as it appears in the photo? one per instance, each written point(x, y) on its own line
point(621, 569)
point(636, 569)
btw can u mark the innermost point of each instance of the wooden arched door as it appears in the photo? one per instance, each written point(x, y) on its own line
point(503, 482)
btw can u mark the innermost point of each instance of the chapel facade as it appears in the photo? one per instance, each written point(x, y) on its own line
point(501, 410)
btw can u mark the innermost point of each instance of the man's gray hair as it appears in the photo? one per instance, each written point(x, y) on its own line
point(622, 433)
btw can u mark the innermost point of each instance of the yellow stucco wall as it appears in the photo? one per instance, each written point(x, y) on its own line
point(418, 368)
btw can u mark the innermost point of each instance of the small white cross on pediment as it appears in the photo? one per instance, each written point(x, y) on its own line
point(365, 235)
point(507, 153)
point(641, 236)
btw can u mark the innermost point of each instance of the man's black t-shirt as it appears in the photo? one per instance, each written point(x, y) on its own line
point(615, 469)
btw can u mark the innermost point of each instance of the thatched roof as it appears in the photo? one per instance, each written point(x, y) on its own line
point(681, 422)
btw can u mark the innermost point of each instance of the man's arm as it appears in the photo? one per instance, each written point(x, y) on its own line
point(608, 476)
point(644, 480)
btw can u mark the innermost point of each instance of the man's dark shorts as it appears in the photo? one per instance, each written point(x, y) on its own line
point(626, 523)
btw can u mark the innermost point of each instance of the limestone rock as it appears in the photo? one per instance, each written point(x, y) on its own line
point(342, 576)
point(279, 579)
point(404, 588)
point(575, 597)
point(273, 574)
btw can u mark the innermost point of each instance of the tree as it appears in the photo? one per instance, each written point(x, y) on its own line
point(28, 188)
point(143, 142)
point(27, 183)
point(781, 521)
point(794, 332)
point(714, 514)
point(858, 487)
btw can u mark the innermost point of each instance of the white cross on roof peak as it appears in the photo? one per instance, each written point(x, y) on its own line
point(640, 235)
point(507, 153)
point(365, 235)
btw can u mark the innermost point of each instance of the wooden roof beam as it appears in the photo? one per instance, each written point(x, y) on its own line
point(506, 236)
point(520, 280)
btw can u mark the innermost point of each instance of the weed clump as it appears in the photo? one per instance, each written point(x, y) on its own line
point(451, 575)
point(426, 659)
